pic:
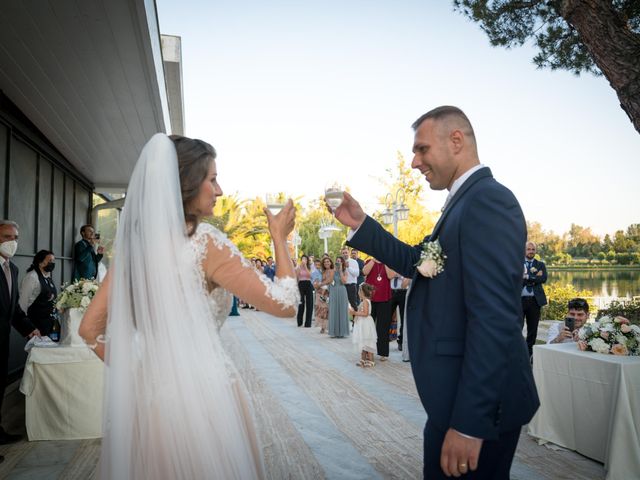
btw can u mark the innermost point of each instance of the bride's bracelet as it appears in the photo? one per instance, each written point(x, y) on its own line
point(99, 339)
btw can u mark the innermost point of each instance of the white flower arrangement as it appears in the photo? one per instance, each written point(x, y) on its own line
point(610, 335)
point(77, 294)
point(432, 259)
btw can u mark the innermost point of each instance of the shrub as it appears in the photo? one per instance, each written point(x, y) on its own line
point(629, 309)
point(558, 296)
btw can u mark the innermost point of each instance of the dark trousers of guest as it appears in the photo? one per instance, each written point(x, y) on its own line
point(381, 313)
point(352, 295)
point(4, 365)
point(306, 302)
point(531, 313)
point(494, 463)
point(398, 298)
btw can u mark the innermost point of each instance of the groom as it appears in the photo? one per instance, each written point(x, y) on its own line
point(468, 357)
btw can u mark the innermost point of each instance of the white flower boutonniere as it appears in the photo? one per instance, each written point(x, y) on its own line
point(534, 269)
point(432, 259)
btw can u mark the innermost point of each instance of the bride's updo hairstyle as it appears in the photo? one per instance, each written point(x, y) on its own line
point(194, 159)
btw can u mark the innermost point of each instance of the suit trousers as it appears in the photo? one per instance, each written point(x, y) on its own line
point(494, 463)
point(398, 299)
point(531, 313)
point(381, 313)
point(306, 302)
point(4, 366)
point(352, 295)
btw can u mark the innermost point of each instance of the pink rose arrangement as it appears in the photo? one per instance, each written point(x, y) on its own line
point(608, 335)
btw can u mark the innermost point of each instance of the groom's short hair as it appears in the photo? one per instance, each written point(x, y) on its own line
point(447, 112)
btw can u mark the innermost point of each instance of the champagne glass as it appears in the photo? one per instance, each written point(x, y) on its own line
point(275, 202)
point(334, 194)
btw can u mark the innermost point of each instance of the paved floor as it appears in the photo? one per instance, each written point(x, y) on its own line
point(318, 415)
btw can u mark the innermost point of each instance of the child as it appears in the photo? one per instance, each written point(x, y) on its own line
point(364, 330)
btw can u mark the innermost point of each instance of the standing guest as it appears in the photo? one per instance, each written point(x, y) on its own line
point(322, 293)
point(270, 268)
point(364, 330)
point(356, 257)
point(10, 311)
point(303, 274)
point(338, 302)
point(352, 277)
point(38, 292)
point(533, 297)
point(468, 357)
point(399, 286)
point(316, 278)
point(85, 254)
point(378, 275)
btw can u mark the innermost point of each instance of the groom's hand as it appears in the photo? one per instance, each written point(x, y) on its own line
point(459, 453)
point(350, 212)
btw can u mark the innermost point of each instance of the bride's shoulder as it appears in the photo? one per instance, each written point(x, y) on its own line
point(206, 232)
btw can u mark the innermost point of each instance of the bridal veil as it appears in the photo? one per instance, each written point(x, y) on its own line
point(170, 409)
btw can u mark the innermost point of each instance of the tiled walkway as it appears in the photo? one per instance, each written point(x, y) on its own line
point(318, 415)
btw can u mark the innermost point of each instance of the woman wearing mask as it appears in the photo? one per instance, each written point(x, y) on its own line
point(38, 292)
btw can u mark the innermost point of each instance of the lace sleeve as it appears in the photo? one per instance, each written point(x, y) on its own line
point(225, 266)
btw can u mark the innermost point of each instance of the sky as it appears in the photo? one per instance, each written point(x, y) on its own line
point(295, 95)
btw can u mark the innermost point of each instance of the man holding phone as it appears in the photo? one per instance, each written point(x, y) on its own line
point(567, 331)
point(87, 253)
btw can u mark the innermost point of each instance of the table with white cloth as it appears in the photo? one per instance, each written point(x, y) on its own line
point(590, 403)
point(63, 387)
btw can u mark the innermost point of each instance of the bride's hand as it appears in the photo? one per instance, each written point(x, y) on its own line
point(281, 225)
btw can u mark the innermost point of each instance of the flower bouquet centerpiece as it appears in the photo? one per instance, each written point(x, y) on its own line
point(610, 335)
point(73, 300)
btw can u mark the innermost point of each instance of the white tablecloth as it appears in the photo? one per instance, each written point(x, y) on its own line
point(63, 388)
point(590, 403)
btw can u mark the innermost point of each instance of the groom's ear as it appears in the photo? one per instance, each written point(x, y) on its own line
point(457, 140)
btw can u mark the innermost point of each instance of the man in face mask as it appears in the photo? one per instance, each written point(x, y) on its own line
point(10, 311)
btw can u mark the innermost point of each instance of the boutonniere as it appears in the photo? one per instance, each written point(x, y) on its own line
point(533, 269)
point(432, 259)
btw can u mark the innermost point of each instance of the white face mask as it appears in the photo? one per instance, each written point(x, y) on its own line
point(8, 249)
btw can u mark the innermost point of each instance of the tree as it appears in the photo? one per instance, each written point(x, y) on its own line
point(421, 220)
point(594, 36)
point(308, 226)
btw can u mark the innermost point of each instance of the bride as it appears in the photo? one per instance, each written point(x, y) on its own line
point(175, 408)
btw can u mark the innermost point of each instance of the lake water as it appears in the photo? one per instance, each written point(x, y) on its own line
point(603, 283)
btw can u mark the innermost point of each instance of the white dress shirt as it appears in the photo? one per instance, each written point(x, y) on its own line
point(30, 289)
point(352, 271)
point(554, 331)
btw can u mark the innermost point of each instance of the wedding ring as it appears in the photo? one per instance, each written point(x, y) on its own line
point(462, 465)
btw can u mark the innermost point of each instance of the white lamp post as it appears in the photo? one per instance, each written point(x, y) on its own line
point(325, 231)
point(395, 210)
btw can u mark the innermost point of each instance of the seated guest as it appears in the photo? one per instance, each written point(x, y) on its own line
point(578, 309)
point(85, 254)
point(38, 292)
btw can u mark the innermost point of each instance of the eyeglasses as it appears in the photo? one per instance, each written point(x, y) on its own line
point(578, 304)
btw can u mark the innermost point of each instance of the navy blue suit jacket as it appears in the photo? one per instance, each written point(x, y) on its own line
point(535, 281)
point(10, 311)
point(468, 355)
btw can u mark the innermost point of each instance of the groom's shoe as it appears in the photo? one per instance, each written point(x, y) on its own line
point(6, 438)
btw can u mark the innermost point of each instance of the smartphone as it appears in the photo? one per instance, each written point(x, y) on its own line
point(570, 323)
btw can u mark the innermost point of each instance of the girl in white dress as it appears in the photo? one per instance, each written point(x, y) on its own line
point(364, 329)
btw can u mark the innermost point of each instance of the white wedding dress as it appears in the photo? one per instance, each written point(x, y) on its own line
point(175, 407)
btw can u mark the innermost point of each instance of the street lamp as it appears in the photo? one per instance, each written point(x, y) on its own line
point(325, 231)
point(396, 210)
